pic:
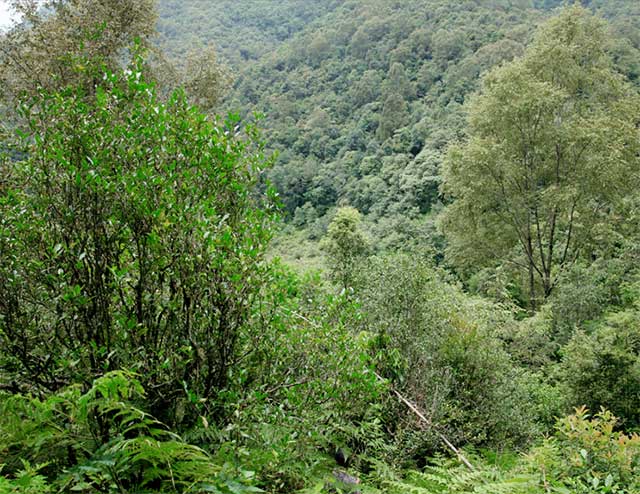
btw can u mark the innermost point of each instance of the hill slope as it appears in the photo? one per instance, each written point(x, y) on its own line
point(363, 96)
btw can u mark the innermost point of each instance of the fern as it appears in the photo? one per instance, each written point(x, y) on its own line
point(443, 479)
point(27, 481)
point(101, 442)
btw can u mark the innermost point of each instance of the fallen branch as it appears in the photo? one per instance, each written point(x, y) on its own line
point(415, 410)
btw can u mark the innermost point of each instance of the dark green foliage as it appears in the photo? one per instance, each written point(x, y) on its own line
point(305, 389)
point(132, 237)
point(602, 369)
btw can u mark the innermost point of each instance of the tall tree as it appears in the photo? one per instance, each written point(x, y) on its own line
point(552, 147)
point(54, 39)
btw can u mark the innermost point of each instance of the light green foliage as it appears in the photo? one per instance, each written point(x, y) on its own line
point(48, 51)
point(448, 479)
point(588, 455)
point(437, 347)
point(345, 245)
point(552, 151)
point(204, 78)
point(26, 481)
point(101, 442)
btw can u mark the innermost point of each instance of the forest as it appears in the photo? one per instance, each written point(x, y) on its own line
point(341, 246)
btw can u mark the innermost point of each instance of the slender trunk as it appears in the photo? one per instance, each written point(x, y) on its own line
point(532, 289)
point(531, 266)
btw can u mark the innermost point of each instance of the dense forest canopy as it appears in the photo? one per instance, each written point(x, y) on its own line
point(364, 98)
point(463, 175)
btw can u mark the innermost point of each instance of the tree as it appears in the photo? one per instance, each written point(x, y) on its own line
point(51, 47)
point(344, 244)
point(393, 116)
point(398, 82)
point(45, 50)
point(552, 148)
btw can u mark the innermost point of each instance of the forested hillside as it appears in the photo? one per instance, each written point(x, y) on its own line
point(363, 99)
point(464, 176)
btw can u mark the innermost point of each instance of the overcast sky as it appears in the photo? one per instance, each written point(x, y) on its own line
point(5, 14)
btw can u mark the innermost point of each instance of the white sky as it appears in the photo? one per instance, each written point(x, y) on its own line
point(5, 15)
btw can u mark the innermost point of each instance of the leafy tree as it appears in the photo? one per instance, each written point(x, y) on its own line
point(51, 48)
point(438, 346)
point(344, 244)
point(552, 150)
point(45, 51)
point(394, 115)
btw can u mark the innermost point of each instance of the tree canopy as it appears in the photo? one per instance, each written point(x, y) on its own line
point(552, 151)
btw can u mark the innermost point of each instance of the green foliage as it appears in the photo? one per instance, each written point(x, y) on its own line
point(306, 390)
point(390, 78)
point(371, 69)
point(602, 369)
point(133, 236)
point(438, 347)
point(345, 245)
point(448, 479)
point(26, 481)
point(47, 51)
point(587, 455)
point(101, 442)
point(133, 232)
point(549, 157)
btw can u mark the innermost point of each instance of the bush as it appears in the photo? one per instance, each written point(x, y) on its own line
point(437, 346)
point(588, 455)
point(132, 236)
point(602, 369)
point(306, 389)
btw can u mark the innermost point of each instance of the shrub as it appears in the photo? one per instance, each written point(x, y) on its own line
point(602, 369)
point(437, 346)
point(131, 236)
point(588, 455)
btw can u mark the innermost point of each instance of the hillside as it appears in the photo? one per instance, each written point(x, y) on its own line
point(465, 175)
point(362, 97)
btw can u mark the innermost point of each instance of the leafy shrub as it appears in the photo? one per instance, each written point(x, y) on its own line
point(131, 236)
point(588, 455)
point(437, 346)
point(602, 369)
point(306, 389)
